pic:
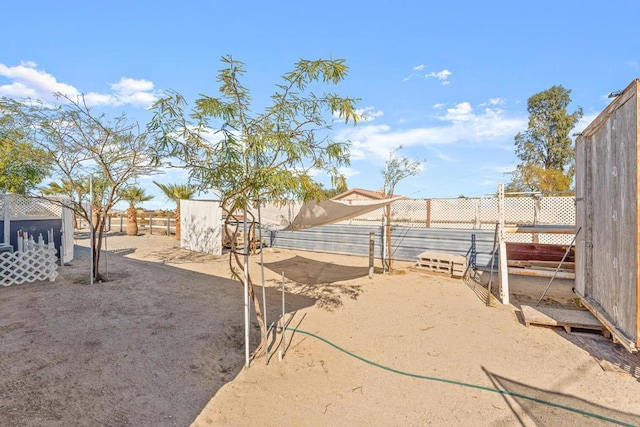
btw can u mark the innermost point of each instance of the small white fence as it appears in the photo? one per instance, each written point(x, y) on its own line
point(32, 261)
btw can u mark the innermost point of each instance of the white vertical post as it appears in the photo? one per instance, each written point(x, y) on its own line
point(91, 225)
point(246, 288)
point(503, 269)
point(7, 220)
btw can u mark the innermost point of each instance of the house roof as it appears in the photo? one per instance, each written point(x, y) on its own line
point(368, 194)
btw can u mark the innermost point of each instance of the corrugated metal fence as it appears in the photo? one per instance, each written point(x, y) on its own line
point(407, 242)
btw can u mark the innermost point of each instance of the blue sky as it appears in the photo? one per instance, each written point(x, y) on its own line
point(447, 80)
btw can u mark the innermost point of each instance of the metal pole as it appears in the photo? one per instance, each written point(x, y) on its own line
point(264, 293)
point(106, 256)
point(150, 223)
point(7, 220)
point(371, 249)
point(246, 289)
point(559, 265)
point(282, 320)
point(91, 224)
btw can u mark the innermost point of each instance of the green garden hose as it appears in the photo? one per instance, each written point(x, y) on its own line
point(458, 383)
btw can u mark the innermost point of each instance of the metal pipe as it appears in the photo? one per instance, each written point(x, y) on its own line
point(282, 319)
point(264, 294)
point(246, 289)
point(91, 224)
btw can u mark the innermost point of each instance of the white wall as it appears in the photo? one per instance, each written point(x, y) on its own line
point(201, 226)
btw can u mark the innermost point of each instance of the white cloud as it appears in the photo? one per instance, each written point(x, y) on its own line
point(442, 75)
point(494, 102)
point(26, 80)
point(584, 122)
point(370, 113)
point(460, 124)
point(418, 67)
point(439, 105)
point(348, 172)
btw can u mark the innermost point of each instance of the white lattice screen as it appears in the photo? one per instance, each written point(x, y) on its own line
point(30, 207)
point(481, 214)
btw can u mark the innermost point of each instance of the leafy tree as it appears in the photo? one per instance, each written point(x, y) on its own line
point(133, 195)
point(396, 169)
point(268, 156)
point(545, 149)
point(81, 144)
point(22, 166)
point(175, 193)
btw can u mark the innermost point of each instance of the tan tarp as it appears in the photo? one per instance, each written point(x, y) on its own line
point(313, 214)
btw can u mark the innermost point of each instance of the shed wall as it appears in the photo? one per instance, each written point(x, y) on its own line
point(607, 194)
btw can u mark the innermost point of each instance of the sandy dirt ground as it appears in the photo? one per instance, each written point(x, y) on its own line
point(161, 343)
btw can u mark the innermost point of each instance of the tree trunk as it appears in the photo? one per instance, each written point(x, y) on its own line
point(97, 246)
point(132, 221)
point(177, 219)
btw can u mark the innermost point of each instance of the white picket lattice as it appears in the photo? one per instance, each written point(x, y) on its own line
point(32, 262)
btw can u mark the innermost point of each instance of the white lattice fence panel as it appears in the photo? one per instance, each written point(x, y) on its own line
point(27, 207)
point(557, 210)
point(28, 266)
point(454, 213)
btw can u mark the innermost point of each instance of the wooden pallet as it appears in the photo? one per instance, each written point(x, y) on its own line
point(570, 320)
point(439, 262)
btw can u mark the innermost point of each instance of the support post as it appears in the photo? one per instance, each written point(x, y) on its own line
point(121, 223)
point(246, 289)
point(7, 220)
point(503, 269)
point(168, 226)
point(428, 223)
point(150, 222)
point(371, 249)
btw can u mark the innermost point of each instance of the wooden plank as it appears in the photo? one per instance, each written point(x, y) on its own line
point(539, 252)
point(541, 273)
point(551, 316)
point(566, 266)
point(637, 207)
point(597, 312)
point(545, 229)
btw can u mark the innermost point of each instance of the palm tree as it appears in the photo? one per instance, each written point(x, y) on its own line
point(175, 193)
point(133, 195)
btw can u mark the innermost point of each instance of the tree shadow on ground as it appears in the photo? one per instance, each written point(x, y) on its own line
point(546, 407)
point(151, 346)
point(320, 280)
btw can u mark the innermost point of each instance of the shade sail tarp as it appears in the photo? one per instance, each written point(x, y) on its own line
point(314, 214)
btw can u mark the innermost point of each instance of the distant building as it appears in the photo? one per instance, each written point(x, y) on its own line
point(358, 194)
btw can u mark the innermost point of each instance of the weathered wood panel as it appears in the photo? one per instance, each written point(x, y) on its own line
point(607, 185)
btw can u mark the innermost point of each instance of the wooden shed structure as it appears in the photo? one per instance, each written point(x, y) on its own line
point(608, 217)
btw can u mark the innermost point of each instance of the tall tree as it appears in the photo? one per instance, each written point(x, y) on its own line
point(396, 169)
point(175, 193)
point(22, 165)
point(545, 149)
point(82, 144)
point(248, 157)
point(133, 195)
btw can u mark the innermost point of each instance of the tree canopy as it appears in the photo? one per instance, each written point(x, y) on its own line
point(248, 157)
point(22, 165)
point(545, 149)
point(80, 143)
